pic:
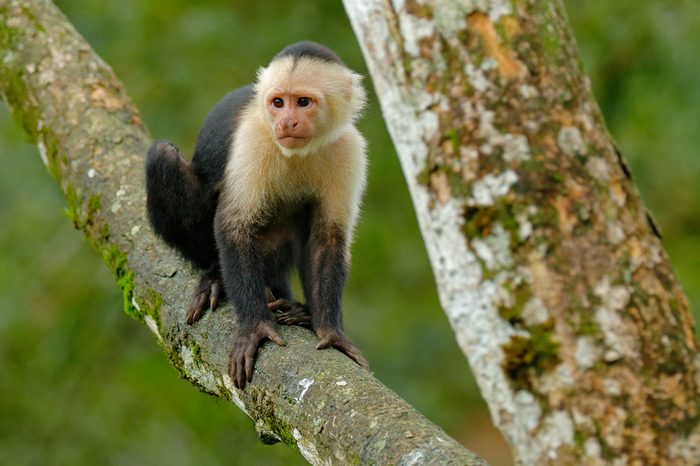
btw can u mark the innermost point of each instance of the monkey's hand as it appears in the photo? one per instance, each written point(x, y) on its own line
point(207, 296)
point(245, 346)
point(329, 336)
point(289, 312)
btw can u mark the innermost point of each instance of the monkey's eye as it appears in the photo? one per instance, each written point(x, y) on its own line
point(304, 101)
point(277, 102)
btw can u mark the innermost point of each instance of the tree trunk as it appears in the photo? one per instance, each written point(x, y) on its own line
point(91, 138)
point(549, 268)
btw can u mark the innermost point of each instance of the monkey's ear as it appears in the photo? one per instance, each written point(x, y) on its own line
point(259, 74)
point(260, 87)
point(358, 95)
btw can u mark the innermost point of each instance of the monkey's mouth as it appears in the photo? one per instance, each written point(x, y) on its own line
point(293, 141)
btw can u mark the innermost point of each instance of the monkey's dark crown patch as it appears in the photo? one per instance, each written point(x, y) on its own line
point(311, 49)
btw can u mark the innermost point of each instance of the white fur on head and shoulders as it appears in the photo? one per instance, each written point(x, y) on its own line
point(330, 167)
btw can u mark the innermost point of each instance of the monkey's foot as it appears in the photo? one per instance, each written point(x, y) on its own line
point(289, 312)
point(246, 344)
point(207, 296)
point(329, 336)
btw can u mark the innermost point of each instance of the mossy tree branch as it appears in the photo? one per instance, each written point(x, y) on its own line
point(93, 142)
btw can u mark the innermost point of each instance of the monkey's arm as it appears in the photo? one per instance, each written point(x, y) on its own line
point(323, 270)
point(243, 274)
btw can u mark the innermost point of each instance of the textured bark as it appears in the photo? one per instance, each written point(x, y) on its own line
point(548, 266)
point(93, 142)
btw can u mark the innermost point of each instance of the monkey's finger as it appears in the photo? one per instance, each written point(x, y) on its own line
point(345, 347)
point(232, 370)
point(234, 367)
point(278, 305)
point(214, 297)
point(240, 371)
point(191, 311)
point(354, 354)
point(197, 306)
point(287, 306)
point(286, 320)
point(196, 309)
point(275, 337)
point(324, 343)
point(299, 315)
point(283, 317)
point(250, 361)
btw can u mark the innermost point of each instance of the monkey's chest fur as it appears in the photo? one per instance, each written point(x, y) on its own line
point(285, 226)
point(281, 195)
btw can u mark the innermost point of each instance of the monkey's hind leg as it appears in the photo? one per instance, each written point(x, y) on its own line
point(181, 211)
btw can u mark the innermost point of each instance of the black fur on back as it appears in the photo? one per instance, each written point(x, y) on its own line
point(214, 140)
point(311, 49)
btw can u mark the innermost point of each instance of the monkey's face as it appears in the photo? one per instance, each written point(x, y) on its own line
point(293, 114)
point(307, 102)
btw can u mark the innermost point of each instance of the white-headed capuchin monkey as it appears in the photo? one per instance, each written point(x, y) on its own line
point(276, 181)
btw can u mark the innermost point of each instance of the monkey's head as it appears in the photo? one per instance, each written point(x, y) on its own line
point(309, 97)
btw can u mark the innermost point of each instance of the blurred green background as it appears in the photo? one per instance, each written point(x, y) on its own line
point(82, 384)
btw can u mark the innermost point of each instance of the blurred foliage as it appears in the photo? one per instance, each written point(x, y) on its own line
point(81, 384)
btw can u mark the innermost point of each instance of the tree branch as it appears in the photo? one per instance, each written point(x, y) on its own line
point(92, 141)
point(548, 267)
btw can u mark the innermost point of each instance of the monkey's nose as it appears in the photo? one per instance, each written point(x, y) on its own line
point(288, 123)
